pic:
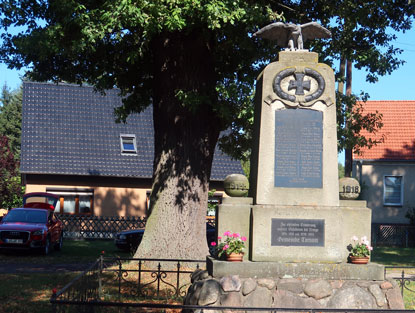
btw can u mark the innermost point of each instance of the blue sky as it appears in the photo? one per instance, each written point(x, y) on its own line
point(400, 85)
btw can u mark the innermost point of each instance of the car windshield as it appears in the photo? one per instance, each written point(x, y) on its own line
point(25, 216)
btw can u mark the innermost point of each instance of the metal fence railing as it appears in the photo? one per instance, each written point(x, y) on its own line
point(159, 285)
point(155, 307)
point(121, 282)
point(406, 280)
point(399, 235)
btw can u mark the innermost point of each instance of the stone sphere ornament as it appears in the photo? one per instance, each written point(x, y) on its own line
point(236, 185)
point(349, 188)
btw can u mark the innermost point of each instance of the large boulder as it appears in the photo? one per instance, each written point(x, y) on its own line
point(318, 289)
point(352, 298)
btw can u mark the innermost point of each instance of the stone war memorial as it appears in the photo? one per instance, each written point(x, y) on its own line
point(297, 229)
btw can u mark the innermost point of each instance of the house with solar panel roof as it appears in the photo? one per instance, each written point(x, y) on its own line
point(72, 147)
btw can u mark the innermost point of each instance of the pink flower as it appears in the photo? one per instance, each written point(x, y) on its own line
point(219, 237)
point(225, 247)
point(236, 235)
point(354, 238)
point(227, 233)
point(213, 243)
point(243, 238)
point(370, 248)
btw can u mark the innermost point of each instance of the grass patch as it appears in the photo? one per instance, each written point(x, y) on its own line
point(409, 296)
point(73, 251)
point(392, 256)
point(30, 292)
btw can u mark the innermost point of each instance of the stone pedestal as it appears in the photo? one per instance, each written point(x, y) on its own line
point(273, 270)
point(340, 223)
point(306, 233)
point(234, 214)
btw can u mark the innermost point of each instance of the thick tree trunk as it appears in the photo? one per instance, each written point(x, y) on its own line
point(342, 71)
point(349, 150)
point(185, 140)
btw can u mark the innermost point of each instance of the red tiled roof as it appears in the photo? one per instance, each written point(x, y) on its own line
point(398, 128)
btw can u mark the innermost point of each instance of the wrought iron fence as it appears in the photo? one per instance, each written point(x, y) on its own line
point(150, 278)
point(393, 235)
point(116, 281)
point(123, 285)
point(154, 307)
point(406, 281)
point(83, 289)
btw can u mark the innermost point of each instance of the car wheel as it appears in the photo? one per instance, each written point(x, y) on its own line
point(59, 244)
point(46, 248)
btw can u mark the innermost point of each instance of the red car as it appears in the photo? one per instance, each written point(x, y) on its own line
point(34, 226)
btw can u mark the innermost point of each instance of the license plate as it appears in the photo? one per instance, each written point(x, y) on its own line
point(14, 240)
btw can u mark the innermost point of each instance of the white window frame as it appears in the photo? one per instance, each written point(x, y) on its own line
point(73, 192)
point(384, 191)
point(128, 137)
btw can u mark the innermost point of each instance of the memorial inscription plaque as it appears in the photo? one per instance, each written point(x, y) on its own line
point(298, 148)
point(297, 232)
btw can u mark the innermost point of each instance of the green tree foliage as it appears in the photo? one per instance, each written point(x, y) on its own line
point(341, 170)
point(11, 118)
point(351, 120)
point(11, 190)
point(196, 61)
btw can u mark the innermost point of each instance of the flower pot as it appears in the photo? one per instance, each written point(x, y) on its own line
point(359, 260)
point(235, 257)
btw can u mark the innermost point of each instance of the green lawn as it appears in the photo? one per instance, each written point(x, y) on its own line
point(73, 251)
point(409, 296)
point(30, 293)
point(391, 256)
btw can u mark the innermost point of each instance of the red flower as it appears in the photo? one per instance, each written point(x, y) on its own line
point(54, 290)
point(213, 243)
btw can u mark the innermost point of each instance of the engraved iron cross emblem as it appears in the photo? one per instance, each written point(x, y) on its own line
point(299, 84)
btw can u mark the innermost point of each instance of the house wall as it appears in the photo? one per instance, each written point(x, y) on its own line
point(371, 174)
point(108, 201)
point(112, 196)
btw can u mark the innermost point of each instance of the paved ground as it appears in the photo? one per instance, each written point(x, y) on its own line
point(20, 268)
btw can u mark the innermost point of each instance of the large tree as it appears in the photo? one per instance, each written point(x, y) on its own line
point(11, 118)
point(196, 62)
point(11, 190)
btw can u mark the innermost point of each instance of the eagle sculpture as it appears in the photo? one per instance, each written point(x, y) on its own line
point(293, 36)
